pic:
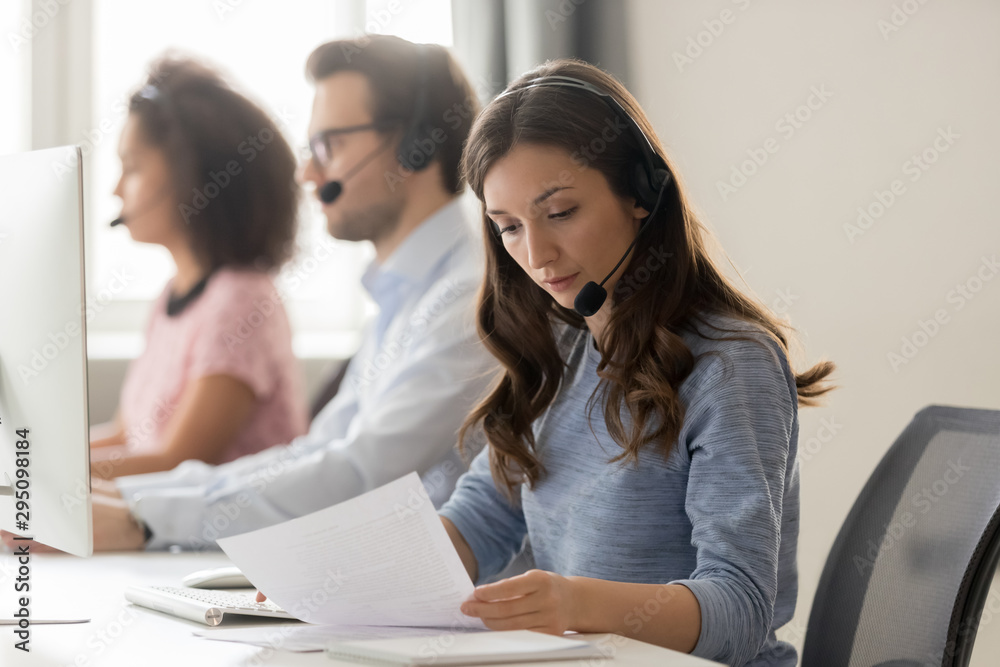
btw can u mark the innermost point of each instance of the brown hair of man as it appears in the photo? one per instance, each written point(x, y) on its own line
point(392, 67)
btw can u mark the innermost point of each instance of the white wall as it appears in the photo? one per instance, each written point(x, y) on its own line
point(853, 300)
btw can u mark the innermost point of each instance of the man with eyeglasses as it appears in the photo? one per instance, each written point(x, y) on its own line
point(385, 144)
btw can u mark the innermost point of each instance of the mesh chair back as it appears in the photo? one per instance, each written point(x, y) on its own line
point(907, 576)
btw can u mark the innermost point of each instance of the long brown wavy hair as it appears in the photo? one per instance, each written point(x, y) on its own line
point(644, 359)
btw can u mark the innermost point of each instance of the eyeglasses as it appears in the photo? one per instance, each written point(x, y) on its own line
point(319, 148)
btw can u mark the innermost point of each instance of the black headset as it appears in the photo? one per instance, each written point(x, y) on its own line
point(650, 178)
point(410, 154)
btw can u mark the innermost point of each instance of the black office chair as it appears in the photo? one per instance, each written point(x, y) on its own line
point(905, 582)
point(329, 387)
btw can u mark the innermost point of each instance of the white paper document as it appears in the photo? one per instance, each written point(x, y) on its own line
point(380, 559)
point(306, 638)
point(483, 648)
point(414, 646)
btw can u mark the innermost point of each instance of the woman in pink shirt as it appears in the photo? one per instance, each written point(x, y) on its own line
point(207, 175)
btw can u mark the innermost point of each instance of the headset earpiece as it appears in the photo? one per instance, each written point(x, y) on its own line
point(647, 185)
point(660, 179)
point(650, 175)
point(650, 178)
point(417, 147)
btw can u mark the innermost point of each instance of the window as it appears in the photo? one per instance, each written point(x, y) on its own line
point(262, 48)
point(15, 60)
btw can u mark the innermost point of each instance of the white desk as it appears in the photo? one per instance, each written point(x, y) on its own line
point(121, 634)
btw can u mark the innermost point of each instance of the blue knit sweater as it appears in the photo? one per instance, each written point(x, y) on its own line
point(720, 515)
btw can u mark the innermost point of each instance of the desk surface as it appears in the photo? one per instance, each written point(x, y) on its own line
point(120, 633)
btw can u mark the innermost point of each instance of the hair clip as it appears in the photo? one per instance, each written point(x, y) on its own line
point(150, 92)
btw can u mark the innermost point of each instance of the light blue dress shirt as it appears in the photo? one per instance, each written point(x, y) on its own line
point(419, 371)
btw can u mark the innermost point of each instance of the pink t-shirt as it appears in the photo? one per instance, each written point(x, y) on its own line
point(236, 327)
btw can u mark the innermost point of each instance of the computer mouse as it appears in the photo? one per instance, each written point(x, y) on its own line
point(217, 577)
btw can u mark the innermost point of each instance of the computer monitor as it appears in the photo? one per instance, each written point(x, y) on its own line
point(44, 439)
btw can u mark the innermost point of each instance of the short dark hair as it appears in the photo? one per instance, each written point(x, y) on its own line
point(233, 172)
point(391, 66)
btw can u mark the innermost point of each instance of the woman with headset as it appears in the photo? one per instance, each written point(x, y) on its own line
point(207, 175)
point(646, 442)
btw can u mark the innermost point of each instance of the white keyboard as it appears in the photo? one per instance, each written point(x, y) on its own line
point(202, 606)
